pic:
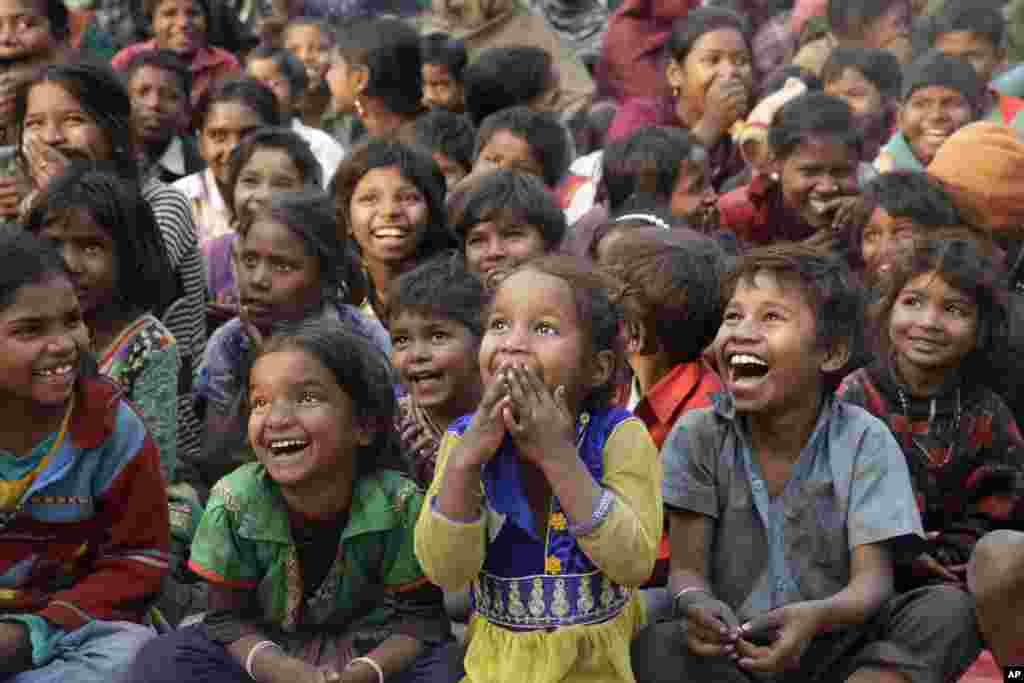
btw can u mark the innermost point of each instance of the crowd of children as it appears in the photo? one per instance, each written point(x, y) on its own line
point(479, 341)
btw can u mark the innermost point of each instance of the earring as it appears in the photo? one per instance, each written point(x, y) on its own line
point(774, 177)
point(675, 93)
point(360, 109)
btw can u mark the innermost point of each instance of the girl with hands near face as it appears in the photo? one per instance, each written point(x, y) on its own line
point(545, 501)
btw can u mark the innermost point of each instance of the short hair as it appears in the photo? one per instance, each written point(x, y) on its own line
point(443, 49)
point(150, 6)
point(850, 18)
point(914, 195)
point(447, 133)
point(503, 77)
point(60, 19)
point(28, 260)
point(443, 288)
point(390, 51)
point(811, 115)
point(647, 164)
point(972, 17)
point(146, 280)
point(821, 277)
point(293, 70)
point(547, 138)
point(671, 286)
point(508, 195)
point(165, 60)
point(776, 81)
point(688, 30)
point(936, 69)
point(283, 139)
point(246, 91)
point(878, 67)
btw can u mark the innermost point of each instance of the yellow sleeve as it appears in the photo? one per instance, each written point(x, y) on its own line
point(625, 546)
point(451, 553)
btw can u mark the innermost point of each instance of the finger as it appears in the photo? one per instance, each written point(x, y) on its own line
point(562, 402)
point(711, 636)
point(769, 621)
point(703, 648)
point(758, 658)
point(518, 388)
point(707, 619)
point(537, 391)
point(510, 418)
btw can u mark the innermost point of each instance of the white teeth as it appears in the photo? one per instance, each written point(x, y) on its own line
point(289, 443)
point(59, 370)
point(747, 359)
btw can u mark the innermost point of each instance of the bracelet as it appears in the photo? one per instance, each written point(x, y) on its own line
point(684, 598)
point(601, 510)
point(370, 663)
point(251, 657)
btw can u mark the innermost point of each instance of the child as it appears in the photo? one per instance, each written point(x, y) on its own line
point(444, 63)
point(159, 83)
point(937, 324)
point(504, 77)
point(546, 499)
point(436, 323)
point(879, 24)
point(310, 40)
point(816, 148)
point(233, 109)
point(788, 510)
point(977, 35)
point(84, 543)
point(289, 264)
point(504, 220)
point(450, 139)
point(326, 586)
point(869, 81)
point(941, 94)
point(390, 201)
point(528, 141)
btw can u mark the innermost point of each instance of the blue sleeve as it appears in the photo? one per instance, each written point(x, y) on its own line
point(43, 633)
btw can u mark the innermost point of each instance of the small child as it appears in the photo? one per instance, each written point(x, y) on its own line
point(788, 510)
point(390, 202)
point(505, 219)
point(546, 499)
point(878, 24)
point(937, 325)
point(436, 323)
point(83, 516)
point(444, 66)
point(869, 80)
point(310, 40)
point(450, 139)
point(526, 140)
point(941, 94)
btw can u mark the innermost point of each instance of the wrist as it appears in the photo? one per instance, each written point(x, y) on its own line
point(708, 130)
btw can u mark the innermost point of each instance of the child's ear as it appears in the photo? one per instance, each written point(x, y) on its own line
point(361, 76)
point(837, 357)
point(675, 74)
point(602, 368)
point(364, 431)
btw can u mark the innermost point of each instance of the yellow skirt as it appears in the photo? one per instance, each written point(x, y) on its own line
point(597, 653)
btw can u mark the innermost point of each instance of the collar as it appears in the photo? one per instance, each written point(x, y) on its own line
point(724, 407)
point(95, 415)
point(173, 158)
point(674, 389)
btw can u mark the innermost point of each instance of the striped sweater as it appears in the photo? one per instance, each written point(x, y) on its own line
point(92, 539)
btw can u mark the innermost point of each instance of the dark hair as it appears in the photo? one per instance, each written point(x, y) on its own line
point(971, 17)
point(417, 167)
point(102, 95)
point(447, 133)
point(390, 51)
point(507, 195)
point(599, 316)
point(246, 91)
point(671, 288)
point(60, 22)
point(777, 80)
point(850, 18)
point(325, 28)
point(547, 138)
point(28, 260)
point(282, 139)
point(146, 280)
point(635, 214)
point(503, 77)
point(965, 264)
point(165, 60)
point(914, 195)
point(822, 277)
point(812, 115)
point(290, 67)
point(647, 164)
point(441, 288)
point(449, 52)
point(935, 69)
point(687, 30)
point(149, 7)
point(363, 373)
point(878, 67)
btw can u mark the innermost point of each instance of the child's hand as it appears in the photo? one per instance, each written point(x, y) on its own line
point(44, 162)
point(927, 566)
point(487, 429)
point(789, 629)
point(712, 628)
point(537, 418)
point(253, 332)
point(726, 102)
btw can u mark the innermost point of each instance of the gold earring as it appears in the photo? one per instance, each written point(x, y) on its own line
point(675, 93)
point(360, 110)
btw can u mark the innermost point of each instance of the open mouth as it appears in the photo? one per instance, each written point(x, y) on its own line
point(746, 367)
point(391, 234)
point(285, 447)
point(425, 378)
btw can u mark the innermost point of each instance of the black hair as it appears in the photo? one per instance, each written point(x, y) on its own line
point(878, 67)
point(973, 17)
point(283, 139)
point(511, 196)
point(288, 65)
point(102, 95)
point(446, 133)
point(670, 287)
point(325, 28)
point(449, 52)
point(935, 69)
point(246, 91)
point(647, 163)
point(850, 18)
point(150, 6)
point(146, 280)
point(362, 371)
point(811, 115)
point(390, 51)
point(60, 19)
point(441, 288)
point(165, 60)
point(28, 260)
point(547, 138)
point(688, 30)
point(503, 77)
point(777, 80)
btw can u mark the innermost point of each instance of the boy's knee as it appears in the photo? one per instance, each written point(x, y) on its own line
point(996, 563)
